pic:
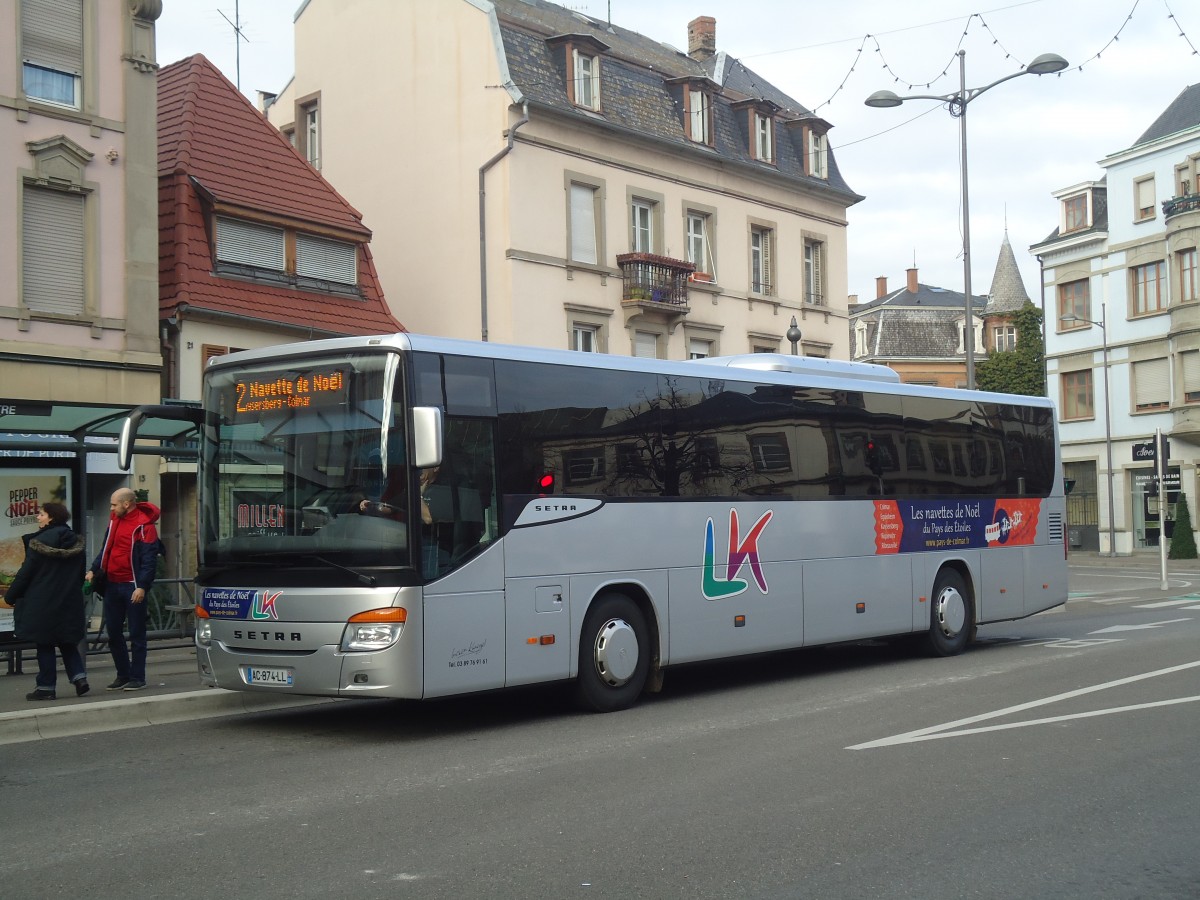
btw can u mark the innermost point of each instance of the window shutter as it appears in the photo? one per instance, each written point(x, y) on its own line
point(583, 224)
point(766, 262)
point(52, 34)
point(325, 259)
point(1191, 371)
point(1151, 383)
point(645, 345)
point(53, 251)
point(249, 244)
point(1145, 194)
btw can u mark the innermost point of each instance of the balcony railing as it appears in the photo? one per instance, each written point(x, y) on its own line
point(648, 278)
point(1178, 205)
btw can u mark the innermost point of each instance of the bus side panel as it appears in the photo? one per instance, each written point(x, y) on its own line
point(1001, 589)
point(708, 626)
point(464, 642)
point(1045, 578)
point(537, 629)
point(834, 588)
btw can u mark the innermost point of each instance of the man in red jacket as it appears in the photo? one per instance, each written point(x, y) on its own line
point(129, 562)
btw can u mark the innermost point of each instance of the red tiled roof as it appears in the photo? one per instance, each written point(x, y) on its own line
point(215, 147)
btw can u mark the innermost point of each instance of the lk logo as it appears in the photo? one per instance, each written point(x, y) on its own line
point(713, 586)
point(264, 606)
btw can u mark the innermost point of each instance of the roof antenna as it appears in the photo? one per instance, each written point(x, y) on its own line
point(236, 25)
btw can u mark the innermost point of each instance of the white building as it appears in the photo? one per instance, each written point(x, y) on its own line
point(1120, 280)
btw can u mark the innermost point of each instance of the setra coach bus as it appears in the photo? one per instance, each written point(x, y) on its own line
point(417, 517)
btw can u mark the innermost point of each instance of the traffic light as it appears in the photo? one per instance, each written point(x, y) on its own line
point(874, 463)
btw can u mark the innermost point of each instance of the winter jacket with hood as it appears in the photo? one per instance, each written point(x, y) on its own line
point(46, 591)
point(143, 546)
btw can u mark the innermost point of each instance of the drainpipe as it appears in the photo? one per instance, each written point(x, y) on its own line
point(512, 135)
point(1045, 326)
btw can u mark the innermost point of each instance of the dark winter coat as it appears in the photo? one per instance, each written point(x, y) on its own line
point(47, 590)
point(145, 547)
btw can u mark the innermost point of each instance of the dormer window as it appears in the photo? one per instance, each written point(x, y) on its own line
point(586, 79)
point(818, 154)
point(1075, 213)
point(577, 59)
point(699, 116)
point(695, 97)
point(764, 137)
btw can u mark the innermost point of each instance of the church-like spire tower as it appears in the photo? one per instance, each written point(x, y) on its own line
point(1007, 294)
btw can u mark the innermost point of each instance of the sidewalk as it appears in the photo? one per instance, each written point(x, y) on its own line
point(173, 694)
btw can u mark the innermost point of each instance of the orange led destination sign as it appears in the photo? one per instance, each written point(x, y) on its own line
point(256, 395)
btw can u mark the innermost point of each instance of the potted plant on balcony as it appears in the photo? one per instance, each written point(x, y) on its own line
point(700, 276)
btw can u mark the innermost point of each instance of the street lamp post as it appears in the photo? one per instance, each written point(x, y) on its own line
point(793, 336)
point(1112, 547)
point(957, 103)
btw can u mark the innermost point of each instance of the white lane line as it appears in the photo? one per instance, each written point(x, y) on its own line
point(1113, 628)
point(943, 730)
point(1163, 604)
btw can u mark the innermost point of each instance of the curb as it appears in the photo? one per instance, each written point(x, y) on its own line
point(137, 712)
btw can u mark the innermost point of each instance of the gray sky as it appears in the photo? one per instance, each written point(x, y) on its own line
point(1026, 138)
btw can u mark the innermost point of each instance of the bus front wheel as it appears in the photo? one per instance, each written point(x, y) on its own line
point(952, 618)
point(614, 655)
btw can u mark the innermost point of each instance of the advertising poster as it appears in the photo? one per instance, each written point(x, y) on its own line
point(911, 526)
point(23, 491)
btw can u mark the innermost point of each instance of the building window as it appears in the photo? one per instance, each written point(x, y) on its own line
point(250, 244)
point(698, 348)
point(53, 251)
point(586, 80)
point(699, 252)
point(1190, 360)
point(645, 344)
point(326, 260)
point(769, 452)
point(1075, 213)
point(306, 134)
point(642, 238)
point(584, 243)
point(761, 261)
point(1148, 288)
point(818, 154)
point(764, 138)
point(1005, 338)
point(584, 466)
point(52, 51)
point(699, 116)
point(1073, 300)
point(1143, 199)
point(1078, 399)
point(814, 272)
point(585, 338)
point(1189, 288)
point(1151, 385)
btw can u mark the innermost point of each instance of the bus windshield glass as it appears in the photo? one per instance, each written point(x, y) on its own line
point(305, 461)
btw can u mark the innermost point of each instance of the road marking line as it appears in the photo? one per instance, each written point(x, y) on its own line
point(1162, 604)
point(946, 729)
point(1113, 628)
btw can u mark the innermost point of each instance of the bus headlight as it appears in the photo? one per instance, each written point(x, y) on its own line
point(203, 628)
point(375, 629)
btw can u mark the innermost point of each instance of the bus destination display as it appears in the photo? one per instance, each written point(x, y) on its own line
point(268, 393)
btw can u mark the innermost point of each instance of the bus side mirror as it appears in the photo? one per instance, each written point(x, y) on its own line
point(137, 415)
point(125, 441)
point(427, 436)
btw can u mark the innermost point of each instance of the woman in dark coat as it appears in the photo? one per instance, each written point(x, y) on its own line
point(47, 596)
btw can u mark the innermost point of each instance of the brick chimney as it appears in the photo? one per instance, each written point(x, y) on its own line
point(702, 38)
point(912, 280)
point(880, 287)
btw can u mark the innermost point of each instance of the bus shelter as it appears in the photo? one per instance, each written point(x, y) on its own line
point(67, 452)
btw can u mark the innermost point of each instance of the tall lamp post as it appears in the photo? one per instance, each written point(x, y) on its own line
point(957, 104)
point(1112, 547)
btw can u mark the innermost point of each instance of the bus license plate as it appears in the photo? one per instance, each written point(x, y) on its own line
point(264, 675)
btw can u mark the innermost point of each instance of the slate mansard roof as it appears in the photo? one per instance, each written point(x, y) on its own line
point(914, 324)
point(1181, 115)
point(214, 147)
point(636, 98)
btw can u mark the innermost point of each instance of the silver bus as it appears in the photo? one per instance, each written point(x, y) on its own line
point(417, 517)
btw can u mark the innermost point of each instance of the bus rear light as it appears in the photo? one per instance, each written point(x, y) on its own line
point(375, 629)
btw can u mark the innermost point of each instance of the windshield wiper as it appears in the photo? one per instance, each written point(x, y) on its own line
point(363, 577)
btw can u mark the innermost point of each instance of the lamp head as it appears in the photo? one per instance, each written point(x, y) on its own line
point(1046, 64)
point(884, 99)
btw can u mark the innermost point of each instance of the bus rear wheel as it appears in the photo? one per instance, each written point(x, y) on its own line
point(614, 655)
point(952, 618)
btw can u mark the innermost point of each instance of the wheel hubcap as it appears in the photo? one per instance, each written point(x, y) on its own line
point(951, 611)
point(616, 652)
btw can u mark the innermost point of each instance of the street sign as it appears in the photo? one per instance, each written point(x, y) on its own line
point(1145, 452)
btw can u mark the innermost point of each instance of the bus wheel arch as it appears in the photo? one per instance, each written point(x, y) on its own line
point(952, 612)
point(617, 650)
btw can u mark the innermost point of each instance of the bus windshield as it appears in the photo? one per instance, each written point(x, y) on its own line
point(305, 460)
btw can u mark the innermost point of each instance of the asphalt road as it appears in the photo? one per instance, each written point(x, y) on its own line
point(1058, 757)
